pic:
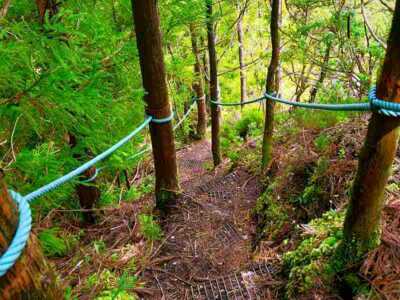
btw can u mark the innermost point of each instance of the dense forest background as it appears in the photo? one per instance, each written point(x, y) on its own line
point(70, 85)
point(78, 72)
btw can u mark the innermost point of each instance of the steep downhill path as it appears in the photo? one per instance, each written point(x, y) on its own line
point(207, 251)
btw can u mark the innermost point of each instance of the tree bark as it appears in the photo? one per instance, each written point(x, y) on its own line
point(4, 8)
point(271, 84)
point(31, 277)
point(198, 87)
point(46, 5)
point(148, 35)
point(362, 222)
point(322, 74)
point(88, 194)
point(214, 93)
point(243, 85)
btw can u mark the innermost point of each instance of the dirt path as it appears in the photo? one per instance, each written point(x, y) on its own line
point(207, 252)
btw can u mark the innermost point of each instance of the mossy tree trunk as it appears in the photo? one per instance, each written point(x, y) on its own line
point(362, 222)
point(214, 93)
point(148, 35)
point(271, 84)
point(31, 277)
point(198, 86)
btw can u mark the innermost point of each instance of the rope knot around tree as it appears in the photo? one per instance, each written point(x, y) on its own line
point(390, 109)
point(160, 115)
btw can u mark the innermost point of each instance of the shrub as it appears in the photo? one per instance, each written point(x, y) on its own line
point(149, 228)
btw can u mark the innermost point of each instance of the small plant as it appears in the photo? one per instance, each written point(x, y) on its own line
point(149, 228)
point(132, 194)
point(250, 122)
point(342, 153)
point(322, 142)
point(125, 283)
point(54, 244)
point(99, 246)
point(113, 287)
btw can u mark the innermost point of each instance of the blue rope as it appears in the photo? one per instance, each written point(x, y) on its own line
point(186, 115)
point(332, 107)
point(96, 173)
point(18, 243)
point(238, 103)
point(387, 108)
point(56, 183)
point(162, 120)
point(390, 109)
point(21, 237)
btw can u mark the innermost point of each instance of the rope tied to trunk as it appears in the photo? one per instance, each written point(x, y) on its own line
point(161, 115)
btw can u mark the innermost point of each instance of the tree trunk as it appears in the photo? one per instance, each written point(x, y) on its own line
point(31, 277)
point(206, 74)
point(46, 5)
point(214, 93)
point(322, 75)
point(362, 222)
point(4, 8)
point(88, 194)
point(271, 84)
point(148, 35)
point(198, 87)
point(243, 87)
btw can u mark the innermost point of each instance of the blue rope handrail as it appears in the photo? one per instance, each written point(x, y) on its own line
point(260, 99)
point(20, 239)
point(390, 109)
point(332, 107)
point(17, 245)
point(186, 115)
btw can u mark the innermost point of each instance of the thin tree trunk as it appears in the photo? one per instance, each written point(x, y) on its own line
point(46, 5)
point(148, 35)
point(88, 194)
point(271, 84)
point(362, 222)
point(4, 8)
point(206, 81)
point(31, 277)
point(322, 75)
point(198, 87)
point(243, 86)
point(214, 94)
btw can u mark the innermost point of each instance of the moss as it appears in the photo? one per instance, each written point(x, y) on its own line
point(313, 190)
point(310, 264)
point(164, 197)
point(352, 252)
point(271, 213)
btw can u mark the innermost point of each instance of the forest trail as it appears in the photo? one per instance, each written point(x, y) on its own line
point(209, 232)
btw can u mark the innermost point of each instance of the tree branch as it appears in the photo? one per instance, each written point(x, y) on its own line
point(375, 37)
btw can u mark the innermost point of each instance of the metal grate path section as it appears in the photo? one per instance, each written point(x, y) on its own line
point(237, 286)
